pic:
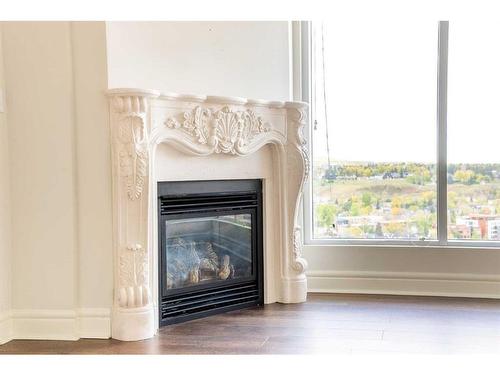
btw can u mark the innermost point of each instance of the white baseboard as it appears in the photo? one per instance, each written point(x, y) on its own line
point(44, 324)
point(94, 323)
point(405, 283)
point(68, 325)
point(5, 328)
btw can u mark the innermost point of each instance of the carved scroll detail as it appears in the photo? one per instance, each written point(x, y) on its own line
point(133, 155)
point(225, 130)
point(302, 141)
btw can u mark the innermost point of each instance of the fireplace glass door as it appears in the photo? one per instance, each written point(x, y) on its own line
point(208, 250)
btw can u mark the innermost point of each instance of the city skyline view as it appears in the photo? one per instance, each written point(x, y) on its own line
point(374, 140)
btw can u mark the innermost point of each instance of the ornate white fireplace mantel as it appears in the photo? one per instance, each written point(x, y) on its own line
point(217, 129)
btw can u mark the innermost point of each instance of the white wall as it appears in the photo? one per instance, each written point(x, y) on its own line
point(55, 76)
point(38, 71)
point(93, 178)
point(93, 158)
point(5, 244)
point(246, 59)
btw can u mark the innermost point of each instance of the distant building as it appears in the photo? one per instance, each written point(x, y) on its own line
point(391, 175)
point(483, 222)
point(468, 222)
point(342, 221)
point(461, 231)
point(494, 229)
point(358, 220)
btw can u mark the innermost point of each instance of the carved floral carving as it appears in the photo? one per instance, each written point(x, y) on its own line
point(195, 123)
point(225, 130)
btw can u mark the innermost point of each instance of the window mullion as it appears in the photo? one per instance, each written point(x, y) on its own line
point(442, 164)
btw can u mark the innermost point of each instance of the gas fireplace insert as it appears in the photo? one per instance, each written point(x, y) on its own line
point(210, 247)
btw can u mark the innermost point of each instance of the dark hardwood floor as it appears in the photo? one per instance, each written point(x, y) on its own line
point(334, 323)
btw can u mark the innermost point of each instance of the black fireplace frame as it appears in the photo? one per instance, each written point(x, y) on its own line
point(190, 199)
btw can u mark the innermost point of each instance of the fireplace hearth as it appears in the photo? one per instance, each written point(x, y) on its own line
point(210, 248)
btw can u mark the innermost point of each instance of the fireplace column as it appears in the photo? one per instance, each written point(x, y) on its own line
point(133, 311)
point(294, 283)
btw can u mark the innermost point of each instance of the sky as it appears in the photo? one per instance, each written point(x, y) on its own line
point(380, 78)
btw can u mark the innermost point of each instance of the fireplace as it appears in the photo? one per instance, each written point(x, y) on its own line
point(172, 137)
point(210, 248)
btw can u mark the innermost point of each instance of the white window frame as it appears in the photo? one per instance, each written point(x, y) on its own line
point(302, 78)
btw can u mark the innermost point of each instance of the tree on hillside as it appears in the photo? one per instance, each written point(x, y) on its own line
point(424, 224)
point(420, 176)
point(325, 214)
point(355, 209)
point(355, 232)
point(396, 229)
point(366, 198)
point(466, 177)
point(396, 205)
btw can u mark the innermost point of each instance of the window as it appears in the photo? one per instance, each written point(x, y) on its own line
point(474, 132)
point(385, 167)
